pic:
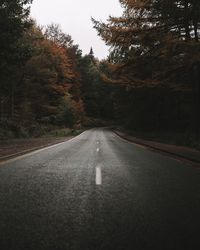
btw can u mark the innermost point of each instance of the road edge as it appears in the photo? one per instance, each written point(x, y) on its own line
point(6, 158)
point(172, 154)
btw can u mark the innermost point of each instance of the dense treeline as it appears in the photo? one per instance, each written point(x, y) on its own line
point(150, 81)
point(96, 94)
point(40, 77)
point(45, 81)
point(154, 62)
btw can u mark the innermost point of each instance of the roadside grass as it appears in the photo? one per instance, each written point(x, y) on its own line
point(21, 131)
point(63, 132)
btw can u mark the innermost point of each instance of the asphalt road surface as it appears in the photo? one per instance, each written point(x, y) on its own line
point(99, 192)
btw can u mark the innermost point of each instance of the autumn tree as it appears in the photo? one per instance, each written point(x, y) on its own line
point(47, 83)
point(55, 34)
point(154, 45)
point(49, 74)
point(150, 36)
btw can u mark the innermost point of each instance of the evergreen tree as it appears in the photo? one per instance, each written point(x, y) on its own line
point(152, 41)
point(155, 44)
point(13, 53)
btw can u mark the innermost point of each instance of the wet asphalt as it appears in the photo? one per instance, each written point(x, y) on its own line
point(55, 199)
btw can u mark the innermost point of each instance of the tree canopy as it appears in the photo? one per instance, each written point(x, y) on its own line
point(153, 41)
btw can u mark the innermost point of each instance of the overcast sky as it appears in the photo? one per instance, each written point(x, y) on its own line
point(74, 16)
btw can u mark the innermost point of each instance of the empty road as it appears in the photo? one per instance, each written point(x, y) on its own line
point(99, 192)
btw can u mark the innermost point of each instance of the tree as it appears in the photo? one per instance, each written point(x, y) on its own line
point(152, 40)
point(96, 94)
point(47, 77)
point(54, 33)
point(154, 46)
point(13, 54)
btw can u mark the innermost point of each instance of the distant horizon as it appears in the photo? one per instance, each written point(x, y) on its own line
point(80, 29)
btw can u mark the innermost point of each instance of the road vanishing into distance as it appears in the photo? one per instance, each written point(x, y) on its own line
point(99, 192)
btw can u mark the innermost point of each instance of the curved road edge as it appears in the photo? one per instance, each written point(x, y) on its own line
point(178, 152)
point(4, 159)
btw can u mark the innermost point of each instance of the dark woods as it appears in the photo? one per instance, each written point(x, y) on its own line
point(150, 81)
point(155, 58)
point(39, 74)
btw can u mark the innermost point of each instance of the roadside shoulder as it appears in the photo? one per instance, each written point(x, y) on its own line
point(16, 147)
point(189, 154)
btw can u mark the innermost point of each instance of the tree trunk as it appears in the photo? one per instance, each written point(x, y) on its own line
point(196, 31)
point(2, 109)
point(12, 102)
point(196, 91)
point(186, 21)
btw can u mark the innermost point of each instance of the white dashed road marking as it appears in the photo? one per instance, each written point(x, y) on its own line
point(98, 176)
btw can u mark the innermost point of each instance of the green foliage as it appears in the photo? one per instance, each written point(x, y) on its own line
point(66, 115)
point(96, 94)
point(40, 72)
point(149, 82)
point(47, 91)
point(13, 23)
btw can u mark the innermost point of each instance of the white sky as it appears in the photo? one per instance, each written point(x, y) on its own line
point(74, 16)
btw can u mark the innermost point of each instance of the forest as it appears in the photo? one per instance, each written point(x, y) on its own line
point(150, 82)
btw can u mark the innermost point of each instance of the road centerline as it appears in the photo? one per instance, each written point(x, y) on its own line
point(98, 176)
